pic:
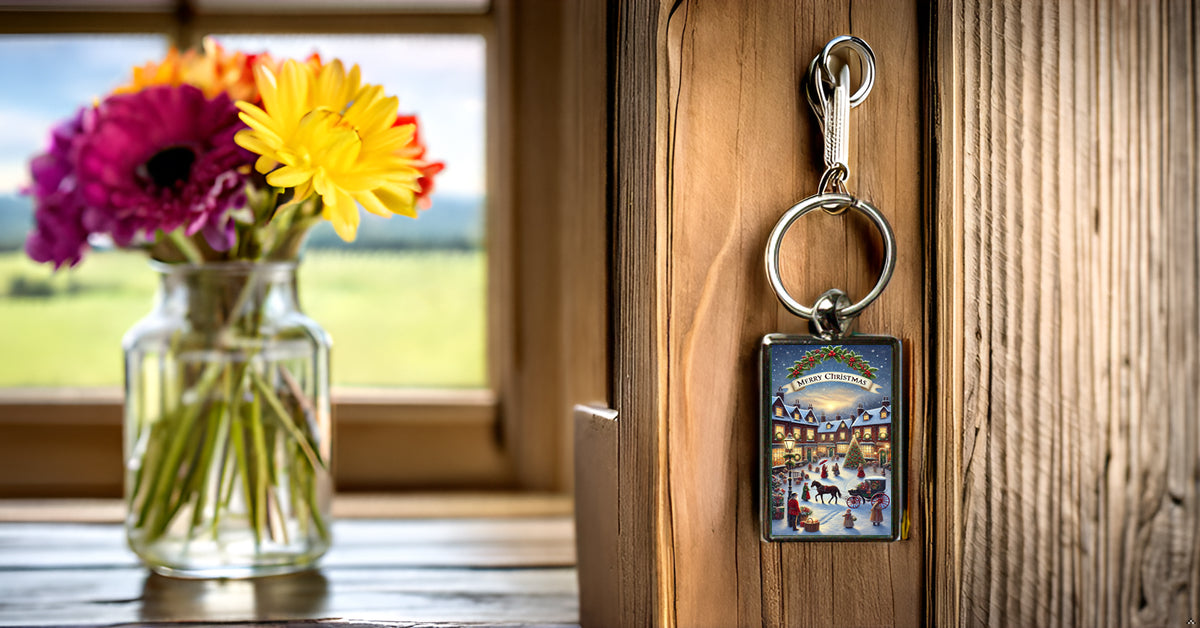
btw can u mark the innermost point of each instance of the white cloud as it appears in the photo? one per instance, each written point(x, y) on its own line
point(14, 175)
point(23, 132)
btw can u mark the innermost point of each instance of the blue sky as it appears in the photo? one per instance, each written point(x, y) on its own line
point(45, 78)
point(831, 397)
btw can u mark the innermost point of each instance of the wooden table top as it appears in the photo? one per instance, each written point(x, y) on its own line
point(497, 570)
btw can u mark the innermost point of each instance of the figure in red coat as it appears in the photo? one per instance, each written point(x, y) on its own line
point(793, 511)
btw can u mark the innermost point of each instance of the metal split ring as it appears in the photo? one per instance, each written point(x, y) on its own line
point(820, 64)
point(837, 203)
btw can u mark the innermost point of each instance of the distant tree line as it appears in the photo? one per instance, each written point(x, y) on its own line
point(453, 223)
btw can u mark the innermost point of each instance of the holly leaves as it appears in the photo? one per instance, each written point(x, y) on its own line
point(815, 357)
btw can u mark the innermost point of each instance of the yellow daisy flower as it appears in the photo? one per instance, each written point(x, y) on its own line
point(321, 131)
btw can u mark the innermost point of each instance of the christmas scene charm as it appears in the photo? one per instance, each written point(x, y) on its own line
point(832, 438)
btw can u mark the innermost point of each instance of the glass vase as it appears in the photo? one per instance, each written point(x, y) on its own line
point(227, 425)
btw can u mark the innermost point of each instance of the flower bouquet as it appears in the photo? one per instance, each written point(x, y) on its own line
point(217, 164)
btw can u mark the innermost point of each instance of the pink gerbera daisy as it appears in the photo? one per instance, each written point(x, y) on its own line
point(162, 158)
point(159, 159)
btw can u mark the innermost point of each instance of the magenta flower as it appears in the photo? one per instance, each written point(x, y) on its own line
point(162, 158)
point(58, 234)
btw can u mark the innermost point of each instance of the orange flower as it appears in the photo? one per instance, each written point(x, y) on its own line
point(214, 71)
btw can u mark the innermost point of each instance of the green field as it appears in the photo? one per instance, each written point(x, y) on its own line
point(397, 319)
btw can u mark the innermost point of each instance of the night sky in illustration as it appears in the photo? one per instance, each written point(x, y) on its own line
point(833, 397)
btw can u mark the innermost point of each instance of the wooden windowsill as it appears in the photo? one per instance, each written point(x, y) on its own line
point(479, 559)
point(67, 442)
point(444, 505)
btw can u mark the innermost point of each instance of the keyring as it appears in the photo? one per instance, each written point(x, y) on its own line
point(832, 203)
point(816, 97)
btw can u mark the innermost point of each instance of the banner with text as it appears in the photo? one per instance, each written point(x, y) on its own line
point(821, 378)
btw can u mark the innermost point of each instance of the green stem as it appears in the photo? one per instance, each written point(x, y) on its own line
point(193, 467)
point(216, 424)
point(221, 499)
point(259, 501)
point(282, 414)
point(188, 248)
point(161, 485)
point(310, 496)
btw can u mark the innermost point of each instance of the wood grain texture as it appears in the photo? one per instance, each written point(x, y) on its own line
point(743, 147)
point(380, 573)
point(1067, 195)
point(638, 313)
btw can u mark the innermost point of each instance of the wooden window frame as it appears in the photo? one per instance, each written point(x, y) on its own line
point(547, 315)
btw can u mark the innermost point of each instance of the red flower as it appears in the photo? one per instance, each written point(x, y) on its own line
point(416, 150)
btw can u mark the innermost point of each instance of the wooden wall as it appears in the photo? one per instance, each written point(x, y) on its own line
point(711, 147)
point(1067, 234)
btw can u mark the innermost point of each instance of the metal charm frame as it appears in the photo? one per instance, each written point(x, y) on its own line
point(833, 502)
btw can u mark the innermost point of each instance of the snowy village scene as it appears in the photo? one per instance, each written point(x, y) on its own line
point(830, 441)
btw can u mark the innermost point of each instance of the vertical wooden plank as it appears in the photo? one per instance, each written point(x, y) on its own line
point(639, 317)
point(596, 514)
point(742, 150)
point(584, 206)
point(1066, 190)
point(537, 72)
point(951, 29)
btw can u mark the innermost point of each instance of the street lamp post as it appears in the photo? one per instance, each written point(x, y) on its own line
point(790, 457)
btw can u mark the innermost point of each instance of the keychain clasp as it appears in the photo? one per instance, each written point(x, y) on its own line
point(829, 96)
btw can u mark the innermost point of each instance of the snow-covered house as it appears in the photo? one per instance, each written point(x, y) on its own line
point(833, 436)
point(796, 422)
point(873, 429)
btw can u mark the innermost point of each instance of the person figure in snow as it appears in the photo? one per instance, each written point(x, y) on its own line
point(793, 511)
point(877, 512)
point(848, 519)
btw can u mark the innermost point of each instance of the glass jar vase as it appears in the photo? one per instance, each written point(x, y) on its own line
point(227, 425)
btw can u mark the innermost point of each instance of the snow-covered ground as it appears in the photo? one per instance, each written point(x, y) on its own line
point(830, 514)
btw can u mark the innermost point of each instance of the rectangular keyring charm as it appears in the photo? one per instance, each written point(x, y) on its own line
point(832, 438)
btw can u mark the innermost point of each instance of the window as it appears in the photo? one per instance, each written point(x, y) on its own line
point(361, 293)
point(490, 415)
point(778, 411)
point(65, 326)
point(883, 432)
point(810, 434)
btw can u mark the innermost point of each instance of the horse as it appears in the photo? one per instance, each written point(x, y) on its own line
point(822, 489)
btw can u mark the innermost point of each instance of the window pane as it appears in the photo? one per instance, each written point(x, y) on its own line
point(66, 329)
point(406, 304)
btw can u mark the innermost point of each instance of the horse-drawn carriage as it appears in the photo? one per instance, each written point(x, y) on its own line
point(871, 489)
